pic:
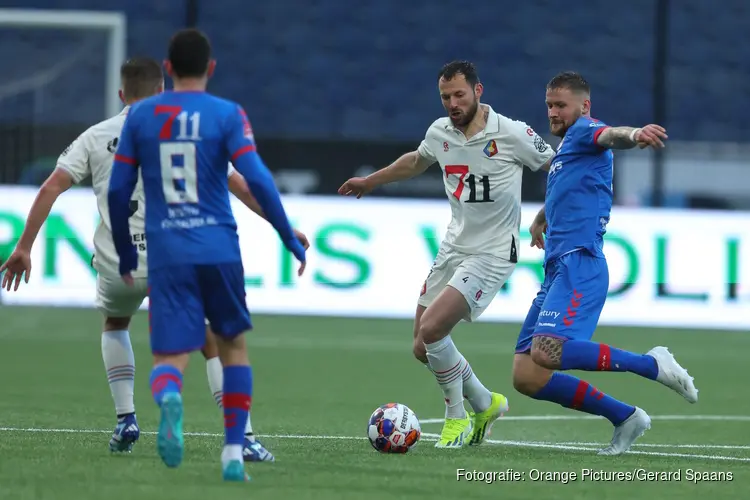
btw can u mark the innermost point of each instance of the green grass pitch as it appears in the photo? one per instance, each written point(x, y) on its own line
point(316, 382)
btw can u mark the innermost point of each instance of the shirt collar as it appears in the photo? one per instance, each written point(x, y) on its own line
point(492, 126)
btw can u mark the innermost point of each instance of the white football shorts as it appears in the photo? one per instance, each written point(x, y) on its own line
point(478, 278)
point(115, 299)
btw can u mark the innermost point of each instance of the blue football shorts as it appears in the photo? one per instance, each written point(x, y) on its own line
point(182, 297)
point(570, 301)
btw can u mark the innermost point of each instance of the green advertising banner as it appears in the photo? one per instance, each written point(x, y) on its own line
point(369, 257)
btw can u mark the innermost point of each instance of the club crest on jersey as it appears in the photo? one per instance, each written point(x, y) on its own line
point(491, 149)
point(247, 128)
point(112, 145)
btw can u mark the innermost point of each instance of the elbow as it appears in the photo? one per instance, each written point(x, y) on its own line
point(50, 190)
point(420, 163)
point(56, 184)
point(238, 186)
point(118, 200)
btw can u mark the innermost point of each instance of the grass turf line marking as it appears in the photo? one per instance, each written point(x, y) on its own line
point(425, 437)
point(584, 447)
point(699, 418)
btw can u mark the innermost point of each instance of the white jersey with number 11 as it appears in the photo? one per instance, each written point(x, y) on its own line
point(482, 177)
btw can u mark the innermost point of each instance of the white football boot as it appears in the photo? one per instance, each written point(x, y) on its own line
point(672, 375)
point(627, 432)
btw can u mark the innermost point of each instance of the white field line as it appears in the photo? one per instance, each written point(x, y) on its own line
point(425, 436)
point(700, 418)
point(596, 447)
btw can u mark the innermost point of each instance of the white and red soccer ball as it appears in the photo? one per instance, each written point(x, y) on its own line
point(393, 428)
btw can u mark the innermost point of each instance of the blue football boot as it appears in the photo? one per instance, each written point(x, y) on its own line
point(254, 451)
point(170, 441)
point(125, 435)
point(234, 471)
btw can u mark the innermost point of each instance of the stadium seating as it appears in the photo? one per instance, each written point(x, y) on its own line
point(325, 69)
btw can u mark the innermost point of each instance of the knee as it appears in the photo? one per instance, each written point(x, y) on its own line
point(419, 350)
point(527, 384)
point(430, 331)
point(114, 324)
point(210, 349)
point(528, 377)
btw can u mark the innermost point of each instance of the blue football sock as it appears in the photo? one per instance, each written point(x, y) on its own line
point(164, 379)
point(592, 356)
point(237, 398)
point(571, 392)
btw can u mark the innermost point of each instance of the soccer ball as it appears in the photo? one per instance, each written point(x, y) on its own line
point(393, 428)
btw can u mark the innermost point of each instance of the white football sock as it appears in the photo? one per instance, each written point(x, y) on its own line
point(448, 366)
point(248, 426)
point(230, 453)
point(479, 397)
point(215, 374)
point(119, 361)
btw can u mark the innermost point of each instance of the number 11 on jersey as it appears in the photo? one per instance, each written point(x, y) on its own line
point(461, 171)
point(179, 168)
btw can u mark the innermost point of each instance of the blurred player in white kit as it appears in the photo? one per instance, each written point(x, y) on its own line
point(481, 154)
point(92, 154)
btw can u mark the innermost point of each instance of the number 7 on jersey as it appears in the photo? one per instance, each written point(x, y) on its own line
point(179, 168)
point(462, 171)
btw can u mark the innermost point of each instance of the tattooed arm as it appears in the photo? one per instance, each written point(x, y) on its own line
point(629, 137)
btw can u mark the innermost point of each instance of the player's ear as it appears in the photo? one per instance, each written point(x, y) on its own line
point(211, 67)
point(478, 90)
point(121, 95)
point(586, 107)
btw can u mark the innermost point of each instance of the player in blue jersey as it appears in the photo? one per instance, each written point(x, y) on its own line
point(557, 331)
point(181, 142)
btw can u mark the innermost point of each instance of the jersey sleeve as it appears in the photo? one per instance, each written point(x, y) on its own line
point(245, 158)
point(75, 158)
point(529, 148)
point(121, 186)
point(239, 135)
point(424, 149)
point(586, 133)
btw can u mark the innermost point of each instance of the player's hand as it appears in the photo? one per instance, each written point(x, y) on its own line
point(302, 239)
point(17, 265)
point(537, 230)
point(651, 135)
point(297, 247)
point(358, 186)
point(301, 269)
point(128, 279)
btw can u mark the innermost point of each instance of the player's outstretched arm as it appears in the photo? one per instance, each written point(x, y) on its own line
point(72, 167)
point(18, 264)
point(240, 145)
point(261, 184)
point(121, 186)
point(239, 188)
point(407, 166)
point(122, 183)
point(56, 184)
point(629, 137)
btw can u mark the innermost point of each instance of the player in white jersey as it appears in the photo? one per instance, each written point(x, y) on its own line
point(482, 155)
point(91, 155)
